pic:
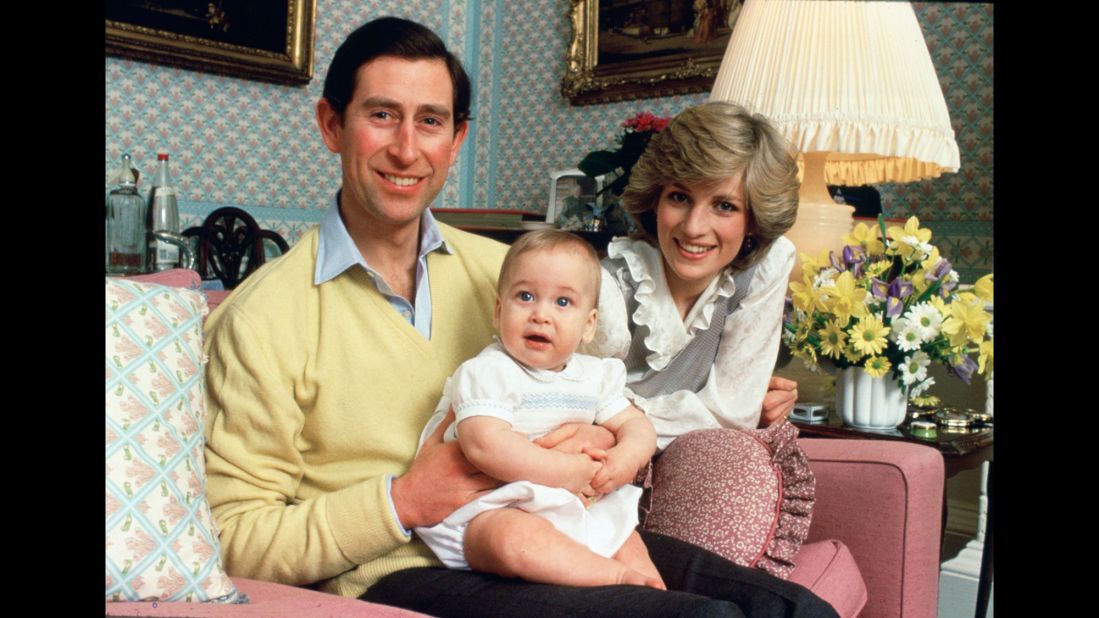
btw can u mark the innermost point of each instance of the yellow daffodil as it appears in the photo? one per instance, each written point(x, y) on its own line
point(983, 288)
point(905, 239)
point(806, 298)
point(845, 300)
point(810, 265)
point(877, 366)
point(868, 336)
point(867, 237)
point(832, 339)
point(968, 320)
point(932, 259)
point(985, 357)
point(919, 281)
point(940, 304)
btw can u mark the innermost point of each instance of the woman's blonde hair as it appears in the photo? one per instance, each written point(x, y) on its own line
point(715, 141)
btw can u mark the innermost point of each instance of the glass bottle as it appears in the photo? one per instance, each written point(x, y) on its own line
point(125, 252)
point(163, 215)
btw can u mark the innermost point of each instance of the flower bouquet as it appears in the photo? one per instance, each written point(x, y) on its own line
point(638, 131)
point(891, 305)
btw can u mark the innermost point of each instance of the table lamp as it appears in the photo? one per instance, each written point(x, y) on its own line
point(852, 87)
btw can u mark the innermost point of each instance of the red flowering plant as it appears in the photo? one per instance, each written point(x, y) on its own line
point(616, 165)
point(638, 131)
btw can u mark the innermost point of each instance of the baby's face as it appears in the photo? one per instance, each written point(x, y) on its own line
point(546, 309)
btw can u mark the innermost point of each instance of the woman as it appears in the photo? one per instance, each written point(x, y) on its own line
point(693, 302)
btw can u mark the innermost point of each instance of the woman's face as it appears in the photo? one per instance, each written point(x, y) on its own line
point(700, 228)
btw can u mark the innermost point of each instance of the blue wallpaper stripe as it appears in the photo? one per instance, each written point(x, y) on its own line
point(469, 60)
point(497, 53)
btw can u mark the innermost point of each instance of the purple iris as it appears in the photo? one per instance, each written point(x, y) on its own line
point(837, 264)
point(854, 258)
point(879, 288)
point(893, 293)
point(942, 268)
point(900, 288)
point(964, 369)
point(893, 307)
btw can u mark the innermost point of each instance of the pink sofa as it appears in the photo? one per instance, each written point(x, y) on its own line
point(873, 546)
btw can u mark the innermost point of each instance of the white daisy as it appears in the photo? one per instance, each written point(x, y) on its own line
point(916, 391)
point(927, 319)
point(922, 249)
point(826, 278)
point(906, 334)
point(914, 367)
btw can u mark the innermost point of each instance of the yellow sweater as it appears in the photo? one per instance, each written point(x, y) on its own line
point(314, 394)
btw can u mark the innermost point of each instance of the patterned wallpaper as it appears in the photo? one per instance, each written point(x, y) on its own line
point(255, 145)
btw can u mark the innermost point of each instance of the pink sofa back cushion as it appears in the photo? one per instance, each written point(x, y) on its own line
point(184, 278)
point(175, 277)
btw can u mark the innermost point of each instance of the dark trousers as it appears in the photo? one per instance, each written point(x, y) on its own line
point(700, 583)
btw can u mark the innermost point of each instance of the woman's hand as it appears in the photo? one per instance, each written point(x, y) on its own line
point(573, 438)
point(779, 401)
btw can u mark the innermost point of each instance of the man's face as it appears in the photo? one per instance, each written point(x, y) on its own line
point(396, 141)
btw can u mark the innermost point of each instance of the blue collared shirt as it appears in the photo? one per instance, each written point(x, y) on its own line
point(337, 252)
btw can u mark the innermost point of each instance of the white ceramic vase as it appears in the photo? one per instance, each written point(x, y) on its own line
point(865, 402)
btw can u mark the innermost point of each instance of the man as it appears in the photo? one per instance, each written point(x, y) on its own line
point(325, 365)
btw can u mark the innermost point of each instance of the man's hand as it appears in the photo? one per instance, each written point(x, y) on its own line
point(779, 401)
point(573, 438)
point(439, 481)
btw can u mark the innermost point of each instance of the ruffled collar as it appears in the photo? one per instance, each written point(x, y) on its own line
point(668, 334)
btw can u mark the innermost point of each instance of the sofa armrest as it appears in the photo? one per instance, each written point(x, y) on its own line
point(268, 600)
point(884, 500)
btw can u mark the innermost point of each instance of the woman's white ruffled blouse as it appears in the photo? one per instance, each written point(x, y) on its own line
point(733, 394)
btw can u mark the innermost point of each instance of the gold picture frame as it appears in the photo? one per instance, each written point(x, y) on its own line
point(651, 52)
point(242, 38)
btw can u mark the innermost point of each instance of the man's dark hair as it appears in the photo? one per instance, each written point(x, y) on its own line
point(391, 36)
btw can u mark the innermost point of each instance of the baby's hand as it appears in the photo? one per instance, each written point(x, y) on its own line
point(617, 470)
point(585, 471)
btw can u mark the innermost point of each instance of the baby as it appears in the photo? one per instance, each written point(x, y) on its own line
point(539, 526)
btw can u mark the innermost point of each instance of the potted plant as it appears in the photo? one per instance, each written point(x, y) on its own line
point(617, 164)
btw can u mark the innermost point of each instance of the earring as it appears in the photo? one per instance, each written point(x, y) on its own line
point(749, 244)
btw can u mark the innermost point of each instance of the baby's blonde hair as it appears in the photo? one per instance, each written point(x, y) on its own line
point(545, 240)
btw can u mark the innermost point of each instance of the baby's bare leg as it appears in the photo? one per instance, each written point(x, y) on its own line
point(514, 543)
point(635, 555)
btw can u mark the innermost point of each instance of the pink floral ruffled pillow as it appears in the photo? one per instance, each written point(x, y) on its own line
point(745, 495)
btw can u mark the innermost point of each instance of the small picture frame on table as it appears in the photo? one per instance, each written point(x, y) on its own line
point(574, 199)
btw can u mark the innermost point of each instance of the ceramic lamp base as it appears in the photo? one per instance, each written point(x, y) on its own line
point(865, 402)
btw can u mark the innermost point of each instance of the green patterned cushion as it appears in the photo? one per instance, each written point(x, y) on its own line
point(161, 541)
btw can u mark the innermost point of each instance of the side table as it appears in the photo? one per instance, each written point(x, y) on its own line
point(961, 451)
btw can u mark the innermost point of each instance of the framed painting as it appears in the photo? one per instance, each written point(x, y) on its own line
point(269, 40)
point(624, 49)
